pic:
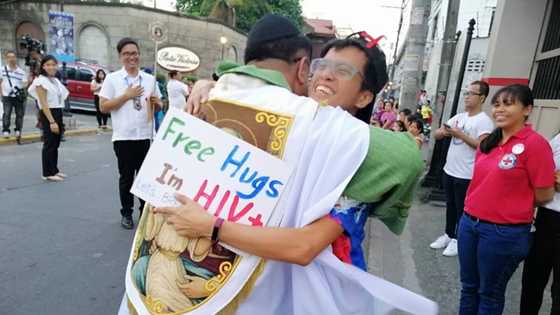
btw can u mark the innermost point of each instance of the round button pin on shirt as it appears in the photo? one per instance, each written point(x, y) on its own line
point(518, 149)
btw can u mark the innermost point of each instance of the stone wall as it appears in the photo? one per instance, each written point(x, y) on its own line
point(125, 20)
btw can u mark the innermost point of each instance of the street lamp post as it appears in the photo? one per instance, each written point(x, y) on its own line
point(223, 41)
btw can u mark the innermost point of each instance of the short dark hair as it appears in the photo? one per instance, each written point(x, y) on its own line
point(375, 69)
point(483, 87)
point(406, 112)
point(374, 79)
point(416, 120)
point(285, 49)
point(9, 51)
point(46, 59)
point(125, 41)
point(173, 73)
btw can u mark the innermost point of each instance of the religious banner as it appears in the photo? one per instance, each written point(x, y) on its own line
point(232, 167)
point(61, 36)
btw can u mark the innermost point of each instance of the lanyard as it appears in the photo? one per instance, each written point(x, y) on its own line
point(59, 92)
point(137, 101)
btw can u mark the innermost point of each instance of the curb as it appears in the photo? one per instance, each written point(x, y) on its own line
point(37, 136)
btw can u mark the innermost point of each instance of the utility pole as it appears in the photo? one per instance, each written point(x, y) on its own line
point(413, 60)
point(392, 77)
point(446, 61)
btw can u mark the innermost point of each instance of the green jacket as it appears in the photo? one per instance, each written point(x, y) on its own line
point(387, 178)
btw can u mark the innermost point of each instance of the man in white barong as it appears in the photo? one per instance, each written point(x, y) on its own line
point(326, 146)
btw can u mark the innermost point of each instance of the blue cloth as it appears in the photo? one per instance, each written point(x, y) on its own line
point(489, 254)
point(353, 220)
point(139, 271)
point(158, 119)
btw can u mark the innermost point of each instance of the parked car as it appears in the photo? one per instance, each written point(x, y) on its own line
point(78, 79)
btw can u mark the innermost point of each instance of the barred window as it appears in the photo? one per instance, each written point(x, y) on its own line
point(547, 80)
point(476, 65)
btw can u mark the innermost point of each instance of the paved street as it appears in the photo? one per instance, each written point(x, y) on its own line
point(79, 120)
point(64, 251)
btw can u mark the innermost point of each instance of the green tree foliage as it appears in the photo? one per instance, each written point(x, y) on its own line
point(191, 7)
point(288, 8)
point(247, 11)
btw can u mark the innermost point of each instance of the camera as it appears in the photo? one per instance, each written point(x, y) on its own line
point(33, 47)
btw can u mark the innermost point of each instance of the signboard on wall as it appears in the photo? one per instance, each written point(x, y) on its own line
point(178, 59)
point(61, 36)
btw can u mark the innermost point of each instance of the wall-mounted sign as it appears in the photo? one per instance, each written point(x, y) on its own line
point(177, 58)
point(158, 32)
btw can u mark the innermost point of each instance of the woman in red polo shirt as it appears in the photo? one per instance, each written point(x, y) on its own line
point(513, 172)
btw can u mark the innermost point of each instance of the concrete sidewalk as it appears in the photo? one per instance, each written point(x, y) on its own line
point(77, 124)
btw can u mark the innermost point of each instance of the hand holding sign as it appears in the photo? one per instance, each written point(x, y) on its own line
point(227, 176)
point(190, 219)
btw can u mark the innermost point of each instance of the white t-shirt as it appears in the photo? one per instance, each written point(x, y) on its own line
point(176, 93)
point(56, 92)
point(18, 77)
point(460, 156)
point(96, 86)
point(555, 144)
point(130, 122)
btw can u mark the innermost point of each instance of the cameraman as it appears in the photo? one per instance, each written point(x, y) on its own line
point(13, 82)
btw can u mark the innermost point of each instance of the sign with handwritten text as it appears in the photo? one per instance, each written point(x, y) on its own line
point(227, 176)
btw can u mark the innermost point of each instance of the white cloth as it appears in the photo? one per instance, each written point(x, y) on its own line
point(56, 91)
point(325, 148)
point(460, 156)
point(555, 144)
point(177, 92)
point(17, 76)
point(129, 123)
point(96, 86)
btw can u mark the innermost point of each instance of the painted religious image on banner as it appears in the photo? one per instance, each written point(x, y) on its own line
point(61, 36)
point(233, 169)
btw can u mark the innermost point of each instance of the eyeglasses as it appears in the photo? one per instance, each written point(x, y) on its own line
point(470, 93)
point(339, 69)
point(130, 54)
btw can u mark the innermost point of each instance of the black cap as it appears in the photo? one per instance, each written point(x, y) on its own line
point(271, 27)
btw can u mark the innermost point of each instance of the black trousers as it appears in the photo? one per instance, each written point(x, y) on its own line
point(543, 259)
point(11, 103)
point(455, 192)
point(101, 118)
point(130, 156)
point(51, 142)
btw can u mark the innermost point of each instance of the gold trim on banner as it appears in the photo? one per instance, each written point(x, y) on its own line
point(279, 134)
point(216, 282)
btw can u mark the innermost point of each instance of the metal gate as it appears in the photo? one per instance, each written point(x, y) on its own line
point(545, 77)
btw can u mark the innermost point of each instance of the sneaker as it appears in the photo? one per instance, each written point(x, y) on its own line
point(54, 178)
point(60, 174)
point(441, 242)
point(18, 134)
point(6, 134)
point(451, 249)
point(127, 223)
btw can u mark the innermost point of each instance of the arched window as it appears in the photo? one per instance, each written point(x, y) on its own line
point(232, 53)
point(93, 44)
point(31, 29)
